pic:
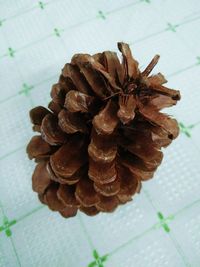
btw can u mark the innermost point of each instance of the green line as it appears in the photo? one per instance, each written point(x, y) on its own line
point(187, 207)
point(159, 214)
point(198, 60)
point(149, 199)
point(161, 217)
point(2, 256)
point(26, 89)
point(20, 14)
point(147, 37)
point(181, 70)
point(11, 152)
point(27, 10)
point(57, 32)
point(163, 221)
point(131, 240)
point(187, 129)
point(86, 232)
point(159, 32)
point(121, 8)
point(1, 21)
point(98, 17)
point(93, 18)
point(172, 27)
point(163, 224)
point(154, 227)
point(98, 261)
point(46, 80)
point(35, 42)
point(11, 52)
point(192, 14)
point(31, 100)
point(42, 4)
point(30, 213)
point(179, 250)
point(190, 20)
point(7, 225)
point(13, 245)
point(79, 23)
point(8, 98)
point(51, 35)
point(15, 251)
point(95, 254)
point(33, 88)
point(2, 210)
point(101, 15)
point(166, 228)
point(4, 55)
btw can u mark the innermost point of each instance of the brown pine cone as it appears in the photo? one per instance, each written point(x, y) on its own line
point(102, 134)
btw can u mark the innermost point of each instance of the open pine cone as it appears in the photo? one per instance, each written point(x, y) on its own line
point(102, 134)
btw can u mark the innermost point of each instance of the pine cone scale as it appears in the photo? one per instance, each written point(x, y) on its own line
point(51, 198)
point(71, 122)
point(40, 178)
point(66, 194)
point(130, 64)
point(37, 147)
point(107, 204)
point(76, 101)
point(69, 212)
point(69, 158)
point(85, 193)
point(102, 173)
point(102, 148)
point(113, 66)
point(37, 114)
point(73, 73)
point(106, 121)
point(50, 131)
point(109, 189)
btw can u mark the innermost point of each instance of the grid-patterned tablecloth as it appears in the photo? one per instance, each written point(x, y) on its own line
point(161, 227)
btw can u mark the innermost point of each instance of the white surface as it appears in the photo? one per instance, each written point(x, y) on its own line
point(133, 236)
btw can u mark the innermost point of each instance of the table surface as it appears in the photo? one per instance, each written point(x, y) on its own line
point(161, 227)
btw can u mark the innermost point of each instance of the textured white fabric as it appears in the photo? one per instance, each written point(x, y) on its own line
point(161, 227)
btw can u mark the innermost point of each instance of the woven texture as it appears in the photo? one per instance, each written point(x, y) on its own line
point(160, 227)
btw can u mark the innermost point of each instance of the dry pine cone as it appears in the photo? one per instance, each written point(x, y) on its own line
point(102, 134)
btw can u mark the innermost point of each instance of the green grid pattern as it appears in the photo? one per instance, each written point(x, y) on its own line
point(164, 222)
point(100, 15)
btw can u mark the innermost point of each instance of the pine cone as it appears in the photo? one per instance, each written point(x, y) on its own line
point(102, 134)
